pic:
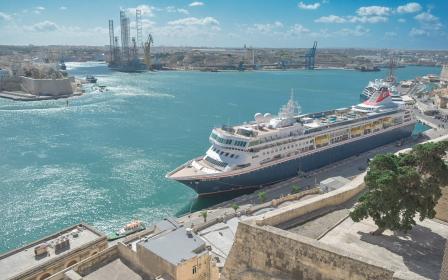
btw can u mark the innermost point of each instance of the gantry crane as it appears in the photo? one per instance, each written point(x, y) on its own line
point(147, 50)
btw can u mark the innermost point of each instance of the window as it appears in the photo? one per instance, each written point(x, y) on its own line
point(194, 269)
point(232, 155)
point(227, 154)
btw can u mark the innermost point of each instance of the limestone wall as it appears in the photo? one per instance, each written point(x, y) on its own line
point(154, 264)
point(301, 208)
point(444, 271)
point(442, 206)
point(51, 87)
point(262, 253)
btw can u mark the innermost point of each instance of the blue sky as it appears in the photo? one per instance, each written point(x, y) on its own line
point(233, 23)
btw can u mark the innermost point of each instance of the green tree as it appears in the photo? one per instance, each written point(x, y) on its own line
point(401, 186)
point(262, 196)
point(204, 215)
point(235, 207)
point(295, 189)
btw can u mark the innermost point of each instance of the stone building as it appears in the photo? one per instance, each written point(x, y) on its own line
point(441, 98)
point(444, 74)
point(178, 254)
point(49, 255)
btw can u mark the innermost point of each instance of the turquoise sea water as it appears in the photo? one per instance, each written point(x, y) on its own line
point(102, 159)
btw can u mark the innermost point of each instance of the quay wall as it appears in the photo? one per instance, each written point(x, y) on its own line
point(53, 87)
point(266, 252)
point(301, 208)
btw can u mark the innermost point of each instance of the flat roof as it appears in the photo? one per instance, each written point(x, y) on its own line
point(115, 270)
point(22, 259)
point(175, 246)
point(417, 254)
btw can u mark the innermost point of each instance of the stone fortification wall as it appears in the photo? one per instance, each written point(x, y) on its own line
point(301, 208)
point(262, 253)
point(51, 87)
point(444, 270)
point(442, 206)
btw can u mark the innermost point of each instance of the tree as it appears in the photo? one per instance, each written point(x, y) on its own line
point(235, 207)
point(295, 189)
point(204, 215)
point(401, 186)
point(262, 196)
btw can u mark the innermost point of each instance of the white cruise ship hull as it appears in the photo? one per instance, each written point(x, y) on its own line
point(288, 167)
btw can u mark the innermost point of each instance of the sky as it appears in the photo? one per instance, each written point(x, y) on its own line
point(232, 23)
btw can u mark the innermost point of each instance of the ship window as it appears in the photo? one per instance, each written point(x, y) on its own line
point(227, 154)
point(221, 153)
point(232, 155)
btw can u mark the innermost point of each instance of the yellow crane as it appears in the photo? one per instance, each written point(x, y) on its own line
point(147, 49)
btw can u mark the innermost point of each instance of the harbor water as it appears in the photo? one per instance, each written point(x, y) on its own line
point(101, 158)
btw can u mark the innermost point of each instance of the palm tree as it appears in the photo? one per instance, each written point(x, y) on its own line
point(262, 196)
point(204, 215)
point(235, 207)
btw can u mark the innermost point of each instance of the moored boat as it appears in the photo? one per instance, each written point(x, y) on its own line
point(128, 229)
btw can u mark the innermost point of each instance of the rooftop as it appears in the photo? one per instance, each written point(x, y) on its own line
point(175, 246)
point(113, 270)
point(22, 259)
point(416, 255)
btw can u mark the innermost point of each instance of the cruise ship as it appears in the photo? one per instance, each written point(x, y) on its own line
point(390, 82)
point(271, 148)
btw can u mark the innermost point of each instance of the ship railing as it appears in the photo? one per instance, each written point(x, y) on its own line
point(283, 159)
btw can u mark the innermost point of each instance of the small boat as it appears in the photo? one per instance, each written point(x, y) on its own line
point(91, 79)
point(132, 227)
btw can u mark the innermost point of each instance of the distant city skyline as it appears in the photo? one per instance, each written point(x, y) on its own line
point(232, 23)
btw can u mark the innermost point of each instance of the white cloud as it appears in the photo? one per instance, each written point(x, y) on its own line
point(426, 17)
point(44, 26)
point(401, 20)
point(304, 6)
point(418, 32)
point(172, 9)
point(411, 7)
point(5, 17)
point(358, 31)
point(196, 4)
point(428, 21)
point(38, 10)
point(206, 21)
point(390, 34)
point(298, 29)
point(63, 8)
point(331, 19)
point(147, 11)
point(183, 11)
point(265, 27)
point(364, 19)
point(373, 11)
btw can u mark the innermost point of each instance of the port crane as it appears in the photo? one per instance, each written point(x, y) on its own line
point(147, 50)
point(310, 57)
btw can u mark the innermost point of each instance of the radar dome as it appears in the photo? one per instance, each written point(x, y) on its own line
point(267, 116)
